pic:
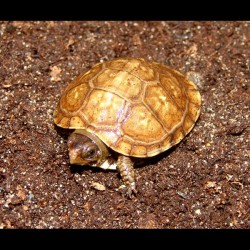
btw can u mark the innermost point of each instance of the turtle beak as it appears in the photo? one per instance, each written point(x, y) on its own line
point(75, 152)
point(74, 158)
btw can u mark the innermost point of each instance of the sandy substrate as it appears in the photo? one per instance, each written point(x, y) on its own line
point(203, 182)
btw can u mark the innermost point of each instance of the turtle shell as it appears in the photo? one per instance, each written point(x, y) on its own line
point(136, 107)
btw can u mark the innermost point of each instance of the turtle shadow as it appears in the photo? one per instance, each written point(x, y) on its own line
point(63, 132)
point(80, 169)
point(154, 160)
point(138, 163)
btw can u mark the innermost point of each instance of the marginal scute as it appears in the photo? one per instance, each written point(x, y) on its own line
point(187, 124)
point(90, 74)
point(108, 136)
point(58, 115)
point(174, 91)
point(65, 122)
point(167, 143)
point(74, 98)
point(117, 63)
point(123, 146)
point(193, 112)
point(76, 122)
point(178, 134)
point(154, 149)
point(138, 150)
point(136, 107)
point(194, 97)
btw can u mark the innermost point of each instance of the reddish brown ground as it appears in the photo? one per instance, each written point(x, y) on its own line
point(204, 182)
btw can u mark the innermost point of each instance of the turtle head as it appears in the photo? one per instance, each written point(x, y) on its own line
point(85, 148)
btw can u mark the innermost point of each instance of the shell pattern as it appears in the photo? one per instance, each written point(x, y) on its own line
point(136, 107)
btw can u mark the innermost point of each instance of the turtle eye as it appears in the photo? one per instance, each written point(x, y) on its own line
point(91, 152)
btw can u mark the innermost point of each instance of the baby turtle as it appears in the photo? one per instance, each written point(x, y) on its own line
point(124, 109)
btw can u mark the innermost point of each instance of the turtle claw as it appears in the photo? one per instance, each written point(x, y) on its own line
point(131, 192)
point(128, 191)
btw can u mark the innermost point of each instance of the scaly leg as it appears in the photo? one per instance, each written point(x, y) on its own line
point(126, 170)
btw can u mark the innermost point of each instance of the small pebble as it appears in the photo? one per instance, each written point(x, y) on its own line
point(98, 186)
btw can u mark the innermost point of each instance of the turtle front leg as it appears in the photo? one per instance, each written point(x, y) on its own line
point(126, 170)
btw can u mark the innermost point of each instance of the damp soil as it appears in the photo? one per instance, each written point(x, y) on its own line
point(203, 182)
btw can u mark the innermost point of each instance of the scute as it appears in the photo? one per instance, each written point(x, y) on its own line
point(74, 98)
point(120, 82)
point(138, 108)
point(164, 107)
point(141, 125)
point(103, 109)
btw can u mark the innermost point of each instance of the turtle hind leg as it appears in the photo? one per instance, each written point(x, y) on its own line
point(126, 170)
